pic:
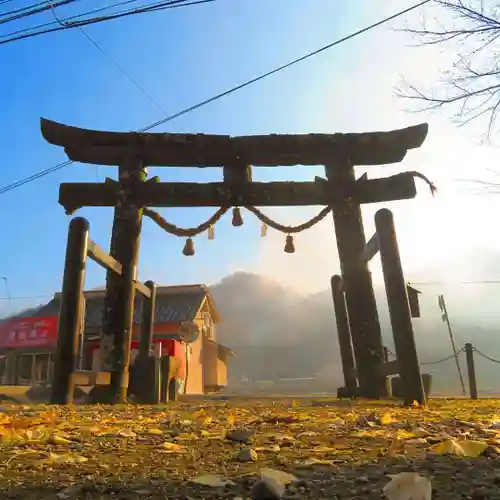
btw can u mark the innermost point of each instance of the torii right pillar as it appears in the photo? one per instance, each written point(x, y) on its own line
point(351, 243)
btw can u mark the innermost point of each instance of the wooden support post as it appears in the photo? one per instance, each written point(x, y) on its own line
point(471, 370)
point(120, 289)
point(386, 354)
point(399, 309)
point(70, 315)
point(81, 341)
point(344, 334)
point(147, 322)
point(360, 297)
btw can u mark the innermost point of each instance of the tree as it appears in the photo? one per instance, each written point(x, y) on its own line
point(470, 88)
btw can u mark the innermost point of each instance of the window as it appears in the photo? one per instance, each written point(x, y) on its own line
point(34, 369)
point(41, 369)
point(3, 368)
point(25, 369)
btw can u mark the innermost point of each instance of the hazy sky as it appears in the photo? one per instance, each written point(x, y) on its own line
point(185, 55)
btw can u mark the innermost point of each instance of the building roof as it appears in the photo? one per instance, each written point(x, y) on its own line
point(174, 304)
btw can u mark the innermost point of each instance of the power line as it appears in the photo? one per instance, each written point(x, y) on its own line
point(450, 283)
point(164, 5)
point(122, 70)
point(31, 10)
point(112, 61)
point(59, 166)
point(69, 18)
point(26, 297)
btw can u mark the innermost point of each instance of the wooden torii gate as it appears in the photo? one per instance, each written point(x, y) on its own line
point(341, 193)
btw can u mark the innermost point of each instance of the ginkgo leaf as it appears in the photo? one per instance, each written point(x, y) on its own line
point(277, 475)
point(5, 418)
point(168, 447)
point(198, 413)
point(207, 420)
point(387, 419)
point(126, 433)
point(408, 486)
point(402, 434)
point(212, 480)
point(34, 435)
point(54, 458)
point(58, 440)
point(464, 448)
point(314, 461)
point(153, 431)
point(324, 449)
point(337, 422)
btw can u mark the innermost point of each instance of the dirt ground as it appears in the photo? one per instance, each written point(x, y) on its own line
point(221, 448)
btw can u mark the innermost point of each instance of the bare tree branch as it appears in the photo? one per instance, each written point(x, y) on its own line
point(470, 88)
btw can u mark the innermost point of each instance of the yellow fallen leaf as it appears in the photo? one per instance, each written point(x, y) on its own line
point(54, 458)
point(212, 480)
point(99, 430)
point(370, 433)
point(324, 449)
point(464, 448)
point(127, 433)
point(408, 486)
point(34, 435)
point(58, 440)
point(198, 413)
point(277, 475)
point(402, 434)
point(153, 431)
point(168, 447)
point(5, 418)
point(387, 419)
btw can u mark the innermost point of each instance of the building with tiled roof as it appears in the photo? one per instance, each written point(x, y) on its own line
point(32, 340)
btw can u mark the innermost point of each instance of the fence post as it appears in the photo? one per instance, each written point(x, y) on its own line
point(70, 315)
point(147, 322)
point(471, 370)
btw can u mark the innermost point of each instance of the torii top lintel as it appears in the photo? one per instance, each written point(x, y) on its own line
point(202, 150)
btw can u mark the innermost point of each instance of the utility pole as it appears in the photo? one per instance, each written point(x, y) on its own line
point(446, 319)
point(7, 289)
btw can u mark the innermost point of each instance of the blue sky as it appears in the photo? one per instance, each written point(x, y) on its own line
point(180, 57)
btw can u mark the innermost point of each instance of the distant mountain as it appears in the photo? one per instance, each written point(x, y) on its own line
point(21, 314)
point(278, 333)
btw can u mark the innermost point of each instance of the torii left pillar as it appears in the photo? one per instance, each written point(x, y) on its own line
point(118, 319)
point(360, 297)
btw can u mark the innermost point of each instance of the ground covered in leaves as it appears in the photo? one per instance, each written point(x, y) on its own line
point(328, 449)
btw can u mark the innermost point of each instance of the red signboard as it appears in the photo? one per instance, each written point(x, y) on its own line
point(29, 332)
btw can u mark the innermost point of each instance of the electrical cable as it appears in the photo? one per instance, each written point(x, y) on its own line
point(69, 18)
point(122, 70)
point(478, 282)
point(113, 61)
point(28, 297)
point(167, 4)
point(200, 104)
point(31, 10)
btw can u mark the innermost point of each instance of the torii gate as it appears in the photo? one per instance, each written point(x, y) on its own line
point(341, 193)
